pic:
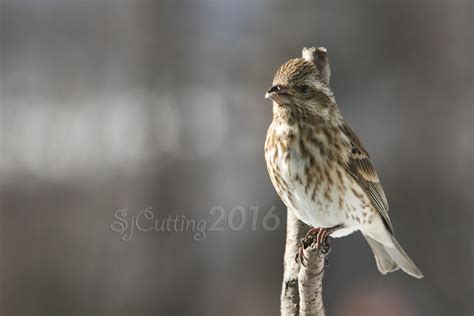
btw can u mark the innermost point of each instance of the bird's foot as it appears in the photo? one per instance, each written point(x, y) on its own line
point(319, 237)
point(300, 258)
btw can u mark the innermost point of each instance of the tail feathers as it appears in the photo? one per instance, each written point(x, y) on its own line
point(392, 258)
point(383, 259)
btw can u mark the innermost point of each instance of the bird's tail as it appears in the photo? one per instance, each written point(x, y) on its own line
point(392, 257)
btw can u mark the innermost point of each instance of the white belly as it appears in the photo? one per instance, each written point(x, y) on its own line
point(322, 204)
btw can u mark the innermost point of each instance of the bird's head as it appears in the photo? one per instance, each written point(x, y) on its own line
point(303, 83)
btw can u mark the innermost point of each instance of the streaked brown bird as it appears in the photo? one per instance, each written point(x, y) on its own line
point(319, 167)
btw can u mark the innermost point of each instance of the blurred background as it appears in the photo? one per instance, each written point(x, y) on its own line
point(125, 105)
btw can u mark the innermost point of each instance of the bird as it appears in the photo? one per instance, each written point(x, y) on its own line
point(319, 167)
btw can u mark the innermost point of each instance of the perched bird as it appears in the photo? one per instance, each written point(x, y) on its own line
point(319, 167)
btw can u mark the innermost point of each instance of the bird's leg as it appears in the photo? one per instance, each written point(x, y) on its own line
point(323, 234)
point(317, 235)
point(312, 231)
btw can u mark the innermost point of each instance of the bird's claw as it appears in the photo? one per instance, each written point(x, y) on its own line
point(317, 236)
point(300, 258)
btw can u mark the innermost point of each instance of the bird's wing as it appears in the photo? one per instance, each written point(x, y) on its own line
point(362, 170)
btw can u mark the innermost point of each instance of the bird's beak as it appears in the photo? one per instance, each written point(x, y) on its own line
point(278, 93)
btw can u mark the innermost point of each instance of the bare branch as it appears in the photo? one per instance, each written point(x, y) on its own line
point(319, 57)
point(310, 281)
point(295, 230)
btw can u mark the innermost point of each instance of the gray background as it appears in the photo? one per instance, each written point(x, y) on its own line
point(130, 104)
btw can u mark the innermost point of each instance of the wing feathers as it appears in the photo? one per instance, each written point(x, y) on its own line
point(362, 170)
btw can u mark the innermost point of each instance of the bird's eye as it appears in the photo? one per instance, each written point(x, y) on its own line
point(305, 88)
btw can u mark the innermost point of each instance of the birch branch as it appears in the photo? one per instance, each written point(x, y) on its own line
point(301, 292)
point(310, 279)
point(295, 230)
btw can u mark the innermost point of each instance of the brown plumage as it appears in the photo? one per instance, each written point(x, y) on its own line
point(320, 168)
